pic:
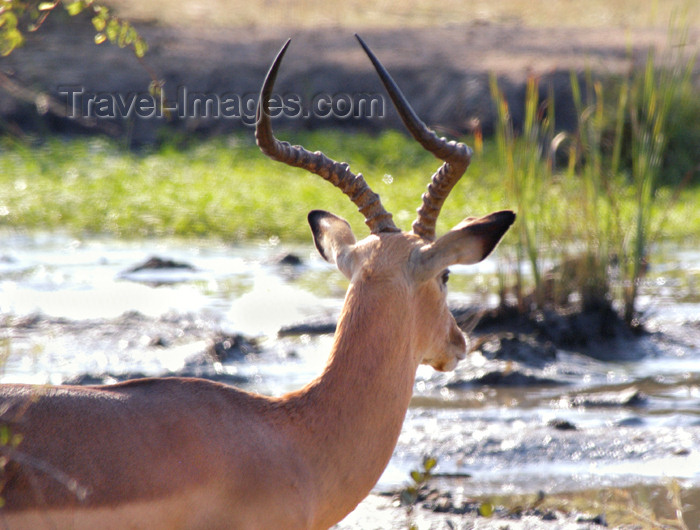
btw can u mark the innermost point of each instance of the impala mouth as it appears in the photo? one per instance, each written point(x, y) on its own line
point(450, 360)
point(445, 366)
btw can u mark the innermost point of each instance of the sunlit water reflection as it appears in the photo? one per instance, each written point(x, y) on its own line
point(69, 308)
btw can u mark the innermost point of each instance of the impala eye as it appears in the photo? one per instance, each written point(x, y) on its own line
point(445, 276)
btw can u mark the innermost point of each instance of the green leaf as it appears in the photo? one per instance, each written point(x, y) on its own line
point(486, 509)
point(10, 40)
point(100, 38)
point(112, 30)
point(75, 7)
point(417, 476)
point(9, 20)
point(131, 35)
point(123, 34)
point(99, 22)
point(140, 47)
point(46, 6)
point(429, 463)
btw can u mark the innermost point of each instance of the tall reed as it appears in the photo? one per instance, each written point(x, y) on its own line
point(594, 180)
point(618, 146)
point(651, 96)
point(527, 176)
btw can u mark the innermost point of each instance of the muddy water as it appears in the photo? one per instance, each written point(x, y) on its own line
point(71, 310)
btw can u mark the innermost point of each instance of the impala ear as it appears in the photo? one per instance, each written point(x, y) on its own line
point(333, 238)
point(468, 242)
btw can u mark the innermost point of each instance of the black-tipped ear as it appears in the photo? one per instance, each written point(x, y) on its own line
point(467, 243)
point(490, 228)
point(332, 235)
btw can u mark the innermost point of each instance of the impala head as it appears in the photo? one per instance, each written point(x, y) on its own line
point(408, 268)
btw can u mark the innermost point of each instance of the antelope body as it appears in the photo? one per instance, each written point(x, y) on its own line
point(188, 453)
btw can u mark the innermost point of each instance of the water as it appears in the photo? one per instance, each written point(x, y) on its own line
point(83, 295)
point(69, 307)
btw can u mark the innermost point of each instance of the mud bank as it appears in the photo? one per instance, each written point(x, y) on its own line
point(520, 415)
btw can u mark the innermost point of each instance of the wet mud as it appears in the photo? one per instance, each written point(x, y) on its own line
point(529, 410)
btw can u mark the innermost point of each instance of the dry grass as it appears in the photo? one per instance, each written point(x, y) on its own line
point(358, 14)
point(668, 506)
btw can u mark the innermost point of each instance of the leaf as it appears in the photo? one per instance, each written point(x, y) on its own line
point(99, 22)
point(408, 497)
point(417, 476)
point(486, 509)
point(10, 40)
point(131, 35)
point(46, 6)
point(100, 38)
point(123, 34)
point(140, 47)
point(9, 20)
point(429, 463)
point(75, 8)
point(112, 30)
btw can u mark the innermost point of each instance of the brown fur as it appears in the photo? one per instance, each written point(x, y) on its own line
point(188, 453)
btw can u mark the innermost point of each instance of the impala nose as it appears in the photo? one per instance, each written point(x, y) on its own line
point(459, 341)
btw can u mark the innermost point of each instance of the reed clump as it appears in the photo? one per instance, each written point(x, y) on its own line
point(599, 184)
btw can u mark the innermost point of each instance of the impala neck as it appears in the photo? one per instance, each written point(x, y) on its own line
point(351, 416)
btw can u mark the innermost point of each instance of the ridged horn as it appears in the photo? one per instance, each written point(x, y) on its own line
point(455, 155)
point(337, 173)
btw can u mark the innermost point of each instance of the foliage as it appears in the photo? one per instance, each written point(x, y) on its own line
point(527, 179)
point(224, 187)
point(665, 506)
point(417, 487)
point(651, 94)
point(607, 200)
point(419, 481)
point(18, 17)
point(221, 187)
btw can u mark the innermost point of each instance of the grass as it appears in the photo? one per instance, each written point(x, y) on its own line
point(220, 187)
point(585, 229)
point(668, 506)
point(616, 159)
point(225, 188)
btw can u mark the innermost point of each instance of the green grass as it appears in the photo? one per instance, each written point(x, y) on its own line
point(626, 151)
point(220, 187)
point(225, 188)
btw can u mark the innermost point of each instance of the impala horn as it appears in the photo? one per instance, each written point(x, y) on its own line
point(339, 174)
point(455, 155)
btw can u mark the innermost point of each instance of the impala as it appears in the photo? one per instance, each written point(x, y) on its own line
point(188, 453)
